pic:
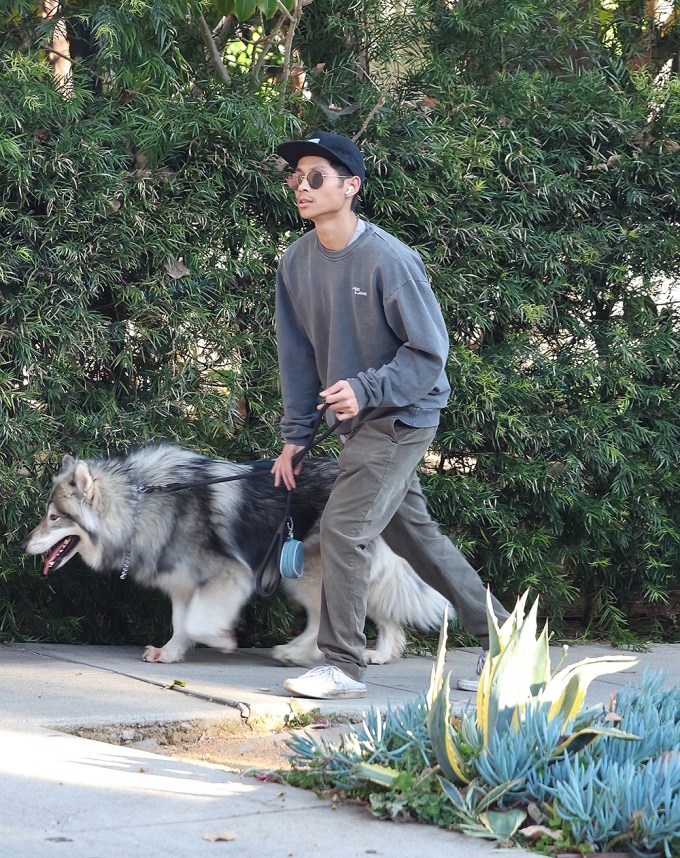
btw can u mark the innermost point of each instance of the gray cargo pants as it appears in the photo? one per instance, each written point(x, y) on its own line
point(377, 493)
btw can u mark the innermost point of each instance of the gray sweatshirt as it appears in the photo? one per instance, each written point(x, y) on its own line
point(367, 314)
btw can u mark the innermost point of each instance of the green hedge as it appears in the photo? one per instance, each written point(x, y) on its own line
point(142, 218)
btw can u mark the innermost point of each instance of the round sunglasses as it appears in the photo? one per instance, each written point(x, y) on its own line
point(314, 179)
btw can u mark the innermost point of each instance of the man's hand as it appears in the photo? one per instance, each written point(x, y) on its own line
point(283, 469)
point(341, 400)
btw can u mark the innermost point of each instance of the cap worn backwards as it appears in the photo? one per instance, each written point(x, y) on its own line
point(333, 147)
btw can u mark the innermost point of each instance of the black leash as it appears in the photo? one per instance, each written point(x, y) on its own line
point(257, 469)
point(280, 535)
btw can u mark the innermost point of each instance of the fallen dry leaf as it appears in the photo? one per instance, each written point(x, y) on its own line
point(177, 269)
point(533, 832)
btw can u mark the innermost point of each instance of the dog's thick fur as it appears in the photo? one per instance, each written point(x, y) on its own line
point(203, 545)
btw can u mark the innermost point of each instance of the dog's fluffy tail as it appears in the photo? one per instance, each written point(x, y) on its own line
point(398, 598)
point(400, 595)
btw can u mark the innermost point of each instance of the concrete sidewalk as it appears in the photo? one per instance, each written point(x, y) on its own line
point(62, 795)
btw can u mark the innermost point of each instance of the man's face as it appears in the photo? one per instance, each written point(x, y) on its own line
point(330, 198)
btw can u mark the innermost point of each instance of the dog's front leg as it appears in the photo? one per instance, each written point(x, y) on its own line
point(179, 643)
point(214, 609)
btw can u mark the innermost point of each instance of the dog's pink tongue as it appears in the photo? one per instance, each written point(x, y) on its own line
point(51, 557)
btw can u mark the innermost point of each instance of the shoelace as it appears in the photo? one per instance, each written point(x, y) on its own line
point(322, 670)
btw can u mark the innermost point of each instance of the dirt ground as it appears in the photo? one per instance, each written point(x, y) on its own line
point(236, 748)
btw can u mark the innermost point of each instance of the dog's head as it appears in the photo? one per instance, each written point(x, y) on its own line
point(70, 525)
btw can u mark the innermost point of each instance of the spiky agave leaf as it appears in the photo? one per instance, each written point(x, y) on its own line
point(518, 671)
point(577, 741)
point(381, 775)
point(437, 676)
point(566, 691)
point(471, 807)
point(439, 726)
point(439, 715)
point(503, 824)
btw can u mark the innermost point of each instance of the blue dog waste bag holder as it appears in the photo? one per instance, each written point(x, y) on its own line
point(290, 564)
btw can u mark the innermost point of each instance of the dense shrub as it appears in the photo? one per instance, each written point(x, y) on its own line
point(142, 218)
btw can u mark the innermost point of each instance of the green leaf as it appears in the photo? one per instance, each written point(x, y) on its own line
point(575, 742)
point(225, 7)
point(503, 824)
point(437, 676)
point(512, 677)
point(267, 7)
point(496, 793)
point(452, 792)
point(566, 691)
point(382, 775)
point(441, 735)
point(245, 9)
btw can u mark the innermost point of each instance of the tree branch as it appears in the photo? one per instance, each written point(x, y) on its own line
point(223, 31)
point(292, 26)
point(263, 47)
point(213, 53)
point(370, 116)
point(59, 53)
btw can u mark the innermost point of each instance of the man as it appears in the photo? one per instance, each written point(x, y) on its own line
point(358, 325)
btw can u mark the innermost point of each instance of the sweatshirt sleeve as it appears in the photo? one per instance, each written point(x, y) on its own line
point(300, 384)
point(417, 369)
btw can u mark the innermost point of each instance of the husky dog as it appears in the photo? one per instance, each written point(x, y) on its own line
point(203, 544)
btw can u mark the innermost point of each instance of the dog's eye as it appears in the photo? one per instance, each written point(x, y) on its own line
point(54, 517)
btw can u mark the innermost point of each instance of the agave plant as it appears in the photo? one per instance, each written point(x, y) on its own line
point(516, 680)
point(529, 743)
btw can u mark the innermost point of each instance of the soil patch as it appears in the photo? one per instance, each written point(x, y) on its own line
point(234, 746)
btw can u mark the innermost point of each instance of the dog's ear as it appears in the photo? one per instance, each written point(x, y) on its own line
point(66, 462)
point(83, 480)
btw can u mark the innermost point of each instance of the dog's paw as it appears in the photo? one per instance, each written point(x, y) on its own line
point(157, 654)
point(227, 643)
point(376, 656)
point(300, 657)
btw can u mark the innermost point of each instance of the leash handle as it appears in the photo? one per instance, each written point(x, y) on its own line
point(313, 440)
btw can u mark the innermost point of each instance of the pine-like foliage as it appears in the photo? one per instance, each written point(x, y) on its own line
point(553, 176)
point(538, 175)
point(136, 279)
point(512, 144)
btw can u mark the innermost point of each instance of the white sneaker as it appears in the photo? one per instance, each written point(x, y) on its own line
point(473, 684)
point(325, 683)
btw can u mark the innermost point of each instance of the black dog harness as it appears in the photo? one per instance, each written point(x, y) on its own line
point(289, 549)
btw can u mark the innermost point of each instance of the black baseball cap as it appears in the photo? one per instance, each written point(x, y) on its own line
point(332, 147)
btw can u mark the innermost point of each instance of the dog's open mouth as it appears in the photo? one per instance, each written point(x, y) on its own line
point(57, 553)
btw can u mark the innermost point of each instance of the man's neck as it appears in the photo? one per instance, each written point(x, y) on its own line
point(336, 233)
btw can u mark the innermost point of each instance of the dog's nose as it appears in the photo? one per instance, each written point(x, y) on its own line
point(23, 544)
